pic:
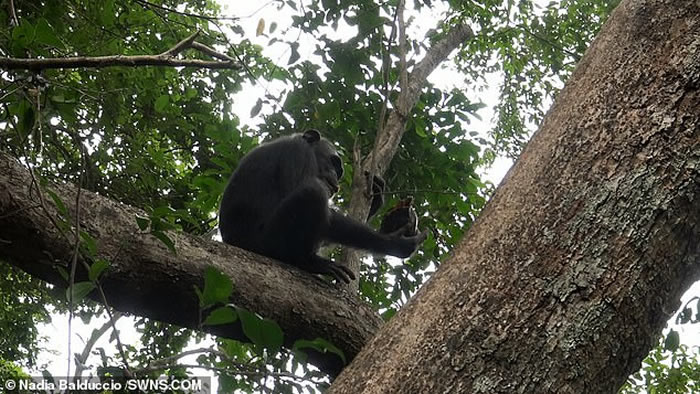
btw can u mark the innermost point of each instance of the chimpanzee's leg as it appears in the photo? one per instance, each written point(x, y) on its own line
point(296, 229)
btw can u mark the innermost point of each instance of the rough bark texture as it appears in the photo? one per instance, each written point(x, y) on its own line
point(566, 280)
point(147, 279)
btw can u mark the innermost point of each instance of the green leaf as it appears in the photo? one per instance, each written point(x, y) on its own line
point(89, 243)
point(161, 103)
point(142, 223)
point(295, 53)
point(165, 239)
point(256, 108)
point(223, 315)
point(97, 268)
point(107, 14)
point(262, 332)
point(44, 34)
point(23, 35)
point(320, 345)
point(217, 288)
point(190, 93)
point(685, 316)
point(421, 128)
point(673, 340)
point(58, 202)
point(64, 274)
point(79, 291)
point(47, 375)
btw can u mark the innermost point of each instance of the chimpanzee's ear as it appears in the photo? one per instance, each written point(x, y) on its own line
point(312, 135)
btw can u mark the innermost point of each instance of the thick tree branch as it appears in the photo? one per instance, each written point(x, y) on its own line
point(145, 278)
point(165, 59)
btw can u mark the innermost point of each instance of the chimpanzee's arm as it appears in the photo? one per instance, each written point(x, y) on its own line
point(349, 232)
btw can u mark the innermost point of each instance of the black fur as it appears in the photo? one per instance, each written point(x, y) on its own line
point(276, 204)
point(376, 192)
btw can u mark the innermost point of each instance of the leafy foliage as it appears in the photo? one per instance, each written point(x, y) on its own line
point(666, 372)
point(23, 304)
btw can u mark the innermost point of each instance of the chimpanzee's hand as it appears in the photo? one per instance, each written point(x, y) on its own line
point(406, 246)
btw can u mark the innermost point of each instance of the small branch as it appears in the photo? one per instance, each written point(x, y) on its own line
point(403, 71)
point(14, 13)
point(181, 46)
point(551, 43)
point(427, 191)
point(198, 16)
point(74, 259)
point(111, 61)
point(436, 55)
point(211, 52)
point(165, 59)
point(81, 359)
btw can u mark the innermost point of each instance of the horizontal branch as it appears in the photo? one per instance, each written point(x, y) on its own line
point(147, 279)
point(112, 61)
point(165, 59)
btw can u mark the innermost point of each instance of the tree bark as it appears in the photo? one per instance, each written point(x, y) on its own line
point(566, 280)
point(147, 279)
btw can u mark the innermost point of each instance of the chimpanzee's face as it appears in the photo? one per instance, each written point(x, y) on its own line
point(330, 166)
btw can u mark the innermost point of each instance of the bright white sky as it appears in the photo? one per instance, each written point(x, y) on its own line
point(243, 103)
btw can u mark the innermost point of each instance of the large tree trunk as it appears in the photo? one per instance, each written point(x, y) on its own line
point(147, 279)
point(566, 280)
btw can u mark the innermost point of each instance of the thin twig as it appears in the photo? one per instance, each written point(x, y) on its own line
point(113, 322)
point(14, 13)
point(183, 13)
point(403, 72)
point(181, 46)
point(428, 191)
point(81, 359)
point(74, 259)
point(211, 52)
point(10, 93)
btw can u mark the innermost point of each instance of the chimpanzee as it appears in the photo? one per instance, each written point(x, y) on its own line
point(276, 204)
